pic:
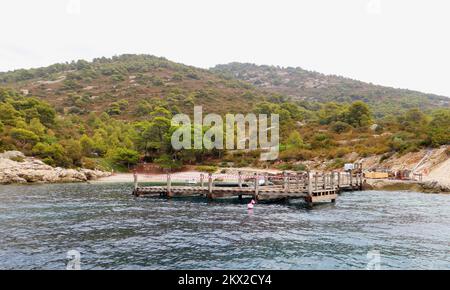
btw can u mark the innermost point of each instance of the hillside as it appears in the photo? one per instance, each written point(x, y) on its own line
point(306, 85)
point(129, 86)
point(113, 113)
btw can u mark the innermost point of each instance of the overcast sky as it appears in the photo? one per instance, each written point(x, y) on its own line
point(400, 43)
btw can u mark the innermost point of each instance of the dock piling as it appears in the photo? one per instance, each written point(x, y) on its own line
point(316, 181)
point(135, 177)
point(210, 185)
point(256, 185)
point(285, 181)
point(339, 180)
point(169, 184)
point(332, 180)
point(240, 178)
point(309, 184)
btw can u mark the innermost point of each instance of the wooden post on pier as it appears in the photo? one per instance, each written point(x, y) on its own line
point(309, 198)
point(297, 180)
point(339, 180)
point(240, 183)
point(266, 179)
point(332, 185)
point(309, 183)
point(210, 183)
point(135, 177)
point(256, 185)
point(324, 180)
point(332, 180)
point(201, 180)
point(285, 182)
point(169, 184)
point(316, 181)
point(288, 185)
point(351, 178)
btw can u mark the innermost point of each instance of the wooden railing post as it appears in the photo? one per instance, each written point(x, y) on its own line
point(316, 181)
point(201, 181)
point(266, 179)
point(256, 185)
point(210, 185)
point(339, 179)
point(351, 178)
point(332, 180)
point(240, 178)
point(324, 180)
point(135, 177)
point(309, 184)
point(288, 181)
point(285, 183)
point(169, 184)
point(210, 182)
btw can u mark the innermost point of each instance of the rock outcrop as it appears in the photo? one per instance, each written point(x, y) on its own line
point(17, 168)
point(395, 185)
point(435, 187)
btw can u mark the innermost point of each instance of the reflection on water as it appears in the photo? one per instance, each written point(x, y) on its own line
point(111, 229)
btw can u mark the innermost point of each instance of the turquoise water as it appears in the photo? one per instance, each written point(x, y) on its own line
point(111, 229)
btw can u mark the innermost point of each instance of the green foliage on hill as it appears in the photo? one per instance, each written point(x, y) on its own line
point(312, 86)
point(129, 86)
point(112, 113)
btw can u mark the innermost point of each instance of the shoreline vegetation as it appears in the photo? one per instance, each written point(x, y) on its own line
point(16, 168)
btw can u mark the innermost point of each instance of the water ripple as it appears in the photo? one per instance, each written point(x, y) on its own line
point(113, 230)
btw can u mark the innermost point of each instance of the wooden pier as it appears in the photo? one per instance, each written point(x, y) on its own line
point(312, 187)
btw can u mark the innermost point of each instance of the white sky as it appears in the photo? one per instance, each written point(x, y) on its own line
point(400, 43)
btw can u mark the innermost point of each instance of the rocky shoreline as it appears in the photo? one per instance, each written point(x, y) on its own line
point(17, 168)
point(393, 185)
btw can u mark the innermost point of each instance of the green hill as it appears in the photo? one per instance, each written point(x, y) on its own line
point(306, 85)
point(130, 85)
point(114, 112)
